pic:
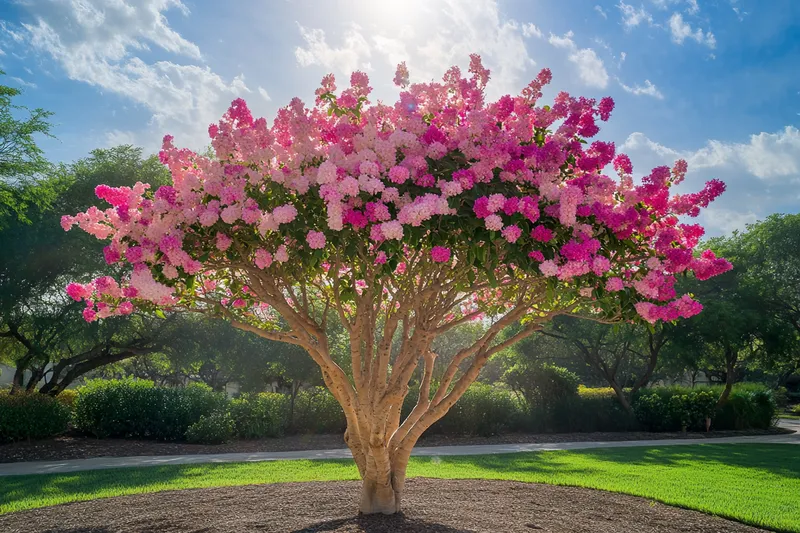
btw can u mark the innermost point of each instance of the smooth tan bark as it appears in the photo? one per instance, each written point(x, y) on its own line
point(377, 498)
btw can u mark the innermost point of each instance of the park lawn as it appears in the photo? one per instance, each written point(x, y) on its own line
point(758, 484)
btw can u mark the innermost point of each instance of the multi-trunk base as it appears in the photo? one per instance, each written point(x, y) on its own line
point(378, 498)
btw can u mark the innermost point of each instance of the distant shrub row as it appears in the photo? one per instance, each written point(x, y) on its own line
point(31, 416)
point(129, 408)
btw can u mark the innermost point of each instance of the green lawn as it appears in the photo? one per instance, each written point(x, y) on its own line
point(754, 483)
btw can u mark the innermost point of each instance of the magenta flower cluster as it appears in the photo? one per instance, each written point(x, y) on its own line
point(375, 173)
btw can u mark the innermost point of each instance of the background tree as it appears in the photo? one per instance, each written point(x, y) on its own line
point(22, 162)
point(623, 356)
point(405, 222)
point(767, 259)
point(41, 331)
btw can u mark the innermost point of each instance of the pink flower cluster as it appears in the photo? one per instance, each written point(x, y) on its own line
point(385, 176)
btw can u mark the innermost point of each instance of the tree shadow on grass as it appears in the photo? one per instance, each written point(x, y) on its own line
point(778, 459)
point(377, 523)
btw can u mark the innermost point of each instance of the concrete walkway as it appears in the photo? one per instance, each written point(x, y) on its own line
point(99, 463)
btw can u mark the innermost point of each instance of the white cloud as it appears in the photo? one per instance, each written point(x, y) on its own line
point(600, 10)
point(762, 174)
point(119, 137)
point(632, 17)
point(648, 90)
point(591, 69)
point(530, 30)
point(95, 42)
point(664, 4)
point(728, 220)
point(693, 8)
point(638, 141)
point(766, 156)
point(448, 33)
point(682, 30)
point(23, 82)
point(347, 58)
point(2, 53)
point(15, 35)
point(264, 94)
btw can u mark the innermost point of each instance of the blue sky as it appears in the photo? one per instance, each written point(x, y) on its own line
point(713, 81)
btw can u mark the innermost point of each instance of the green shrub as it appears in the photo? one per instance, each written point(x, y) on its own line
point(215, 428)
point(317, 411)
point(749, 406)
point(591, 410)
point(260, 415)
point(25, 416)
point(67, 397)
point(781, 397)
point(542, 385)
point(675, 408)
point(132, 408)
point(795, 410)
point(483, 410)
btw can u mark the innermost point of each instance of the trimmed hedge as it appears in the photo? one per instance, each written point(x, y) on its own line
point(668, 409)
point(260, 415)
point(216, 428)
point(483, 410)
point(67, 397)
point(317, 411)
point(129, 408)
point(591, 410)
point(134, 408)
point(25, 416)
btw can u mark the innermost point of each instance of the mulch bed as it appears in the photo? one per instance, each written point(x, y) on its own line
point(79, 447)
point(430, 506)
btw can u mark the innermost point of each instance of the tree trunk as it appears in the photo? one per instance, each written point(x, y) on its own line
point(378, 498)
point(383, 480)
point(623, 400)
point(730, 369)
point(295, 388)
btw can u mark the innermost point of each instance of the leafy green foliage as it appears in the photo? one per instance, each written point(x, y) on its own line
point(22, 162)
point(216, 428)
point(674, 410)
point(767, 270)
point(596, 409)
point(39, 324)
point(483, 410)
point(31, 416)
point(130, 408)
point(541, 384)
point(317, 411)
point(749, 407)
point(260, 415)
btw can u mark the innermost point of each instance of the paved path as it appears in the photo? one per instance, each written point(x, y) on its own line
point(99, 463)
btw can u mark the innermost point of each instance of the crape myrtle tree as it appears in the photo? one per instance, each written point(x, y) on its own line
point(403, 220)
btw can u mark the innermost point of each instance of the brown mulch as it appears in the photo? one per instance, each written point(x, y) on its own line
point(443, 506)
point(80, 447)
